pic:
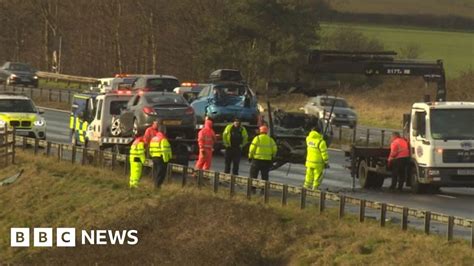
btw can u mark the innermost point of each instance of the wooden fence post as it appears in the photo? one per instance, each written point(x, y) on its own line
point(199, 178)
point(266, 192)
point(450, 228)
point(232, 186)
point(303, 198)
point(362, 211)
point(216, 182)
point(60, 150)
point(383, 214)
point(405, 219)
point(249, 188)
point(284, 195)
point(427, 222)
point(48, 148)
point(184, 176)
point(73, 157)
point(322, 201)
point(114, 160)
point(342, 206)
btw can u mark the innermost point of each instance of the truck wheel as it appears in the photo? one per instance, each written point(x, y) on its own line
point(135, 127)
point(115, 129)
point(416, 187)
point(366, 178)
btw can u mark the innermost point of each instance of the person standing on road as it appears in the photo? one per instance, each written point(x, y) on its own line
point(235, 137)
point(137, 159)
point(206, 140)
point(151, 132)
point(262, 151)
point(398, 160)
point(316, 159)
point(160, 153)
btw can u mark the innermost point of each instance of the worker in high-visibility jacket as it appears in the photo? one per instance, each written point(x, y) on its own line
point(399, 160)
point(316, 159)
point(235, 137)
point(137, 159)
point(206, 140)
point(262, 151)
point(160, 153)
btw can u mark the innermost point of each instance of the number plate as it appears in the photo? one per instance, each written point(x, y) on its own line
point(23, 133)
point(171, 122)
point(466, 172)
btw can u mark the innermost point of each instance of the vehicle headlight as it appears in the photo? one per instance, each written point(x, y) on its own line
point(13, 76)
point(2, 123)
point(35, 77)
point(39, 123)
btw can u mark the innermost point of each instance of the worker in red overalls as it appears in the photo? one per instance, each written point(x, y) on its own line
point(206, 140)
point(150, 132)
point(399, 160)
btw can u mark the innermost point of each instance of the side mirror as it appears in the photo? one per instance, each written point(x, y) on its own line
point(40, 111)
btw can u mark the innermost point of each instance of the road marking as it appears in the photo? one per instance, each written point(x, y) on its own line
point(53, 109)
point(445, 196)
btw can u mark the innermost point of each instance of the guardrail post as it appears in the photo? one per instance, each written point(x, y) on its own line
point(284, 195)
point(362, 211)
point(96, 156)
point(427, 222)
point(472, 235)
point(303, 198)
point(450, 228)
point(405, 219)
point(49, 95)
point(73, 157)
point(382, 138)
point(199, 178)
point(84, 156)
point(60, 146)
point(383, 214)
point(368, 137)
point(36, 146)
point(41, 92)
point(48, 148)
point(322, 201)
point(342, 206)
point(25, 142)
point(249, 188)
point(184, 175)
point(216, 182)
point(101, 158)
point(69, 96)
point(232, 186)
point(59, 97)
point(114, 160)
point(266, 192)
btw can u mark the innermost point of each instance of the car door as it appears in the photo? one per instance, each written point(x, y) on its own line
point(199, 105)
point(126, 118)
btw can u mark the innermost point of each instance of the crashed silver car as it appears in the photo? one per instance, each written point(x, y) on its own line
point(342, 115)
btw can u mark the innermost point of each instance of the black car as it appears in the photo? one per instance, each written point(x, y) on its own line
point(13, 73)
point(170, 108)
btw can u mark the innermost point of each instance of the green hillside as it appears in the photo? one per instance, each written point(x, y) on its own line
point(455, 48)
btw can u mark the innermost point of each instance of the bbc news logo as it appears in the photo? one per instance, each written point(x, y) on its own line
point(66, 237)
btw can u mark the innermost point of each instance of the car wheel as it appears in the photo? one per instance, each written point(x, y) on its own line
point(115, 127)
point(135, 127)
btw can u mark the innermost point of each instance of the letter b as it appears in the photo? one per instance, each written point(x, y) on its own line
point(43, 237)
point(20, 237)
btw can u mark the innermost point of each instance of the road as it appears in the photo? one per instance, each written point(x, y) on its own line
point(450, 201)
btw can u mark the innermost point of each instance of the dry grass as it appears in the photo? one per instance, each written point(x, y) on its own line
point(192, 227)
point(52, 104)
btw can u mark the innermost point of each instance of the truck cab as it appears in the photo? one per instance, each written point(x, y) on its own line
point(441, 136)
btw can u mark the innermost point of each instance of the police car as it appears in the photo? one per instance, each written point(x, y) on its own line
point(20, 112)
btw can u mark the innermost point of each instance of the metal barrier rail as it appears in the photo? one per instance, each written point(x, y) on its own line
point(63, 77)
point(52, 95)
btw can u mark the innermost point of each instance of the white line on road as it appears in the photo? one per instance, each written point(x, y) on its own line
point(53, 109)
point(445, 196)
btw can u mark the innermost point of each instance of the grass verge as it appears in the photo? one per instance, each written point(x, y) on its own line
point(190, 226)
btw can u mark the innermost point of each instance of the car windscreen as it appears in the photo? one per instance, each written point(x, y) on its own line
point(166, 100)
point(20, 67)
point(452, 124)
point(116, 107)
point(330, 102)
point(231, 90)
point(16, 106)
point(162, 84)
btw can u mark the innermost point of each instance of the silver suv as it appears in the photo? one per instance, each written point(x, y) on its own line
point(343, 114)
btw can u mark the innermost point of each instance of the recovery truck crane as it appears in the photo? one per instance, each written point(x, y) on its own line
point(440, 133)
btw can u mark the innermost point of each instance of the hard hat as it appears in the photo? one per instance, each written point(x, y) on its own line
point(263, 129)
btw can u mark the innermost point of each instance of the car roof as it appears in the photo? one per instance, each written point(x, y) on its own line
point(13, 97)
point(328, 97)
point(158, 76)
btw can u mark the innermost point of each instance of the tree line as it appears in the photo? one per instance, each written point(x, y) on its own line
point(265, 39)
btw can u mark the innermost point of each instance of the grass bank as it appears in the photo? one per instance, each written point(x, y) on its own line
point(454, 48)
point(189, 226)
